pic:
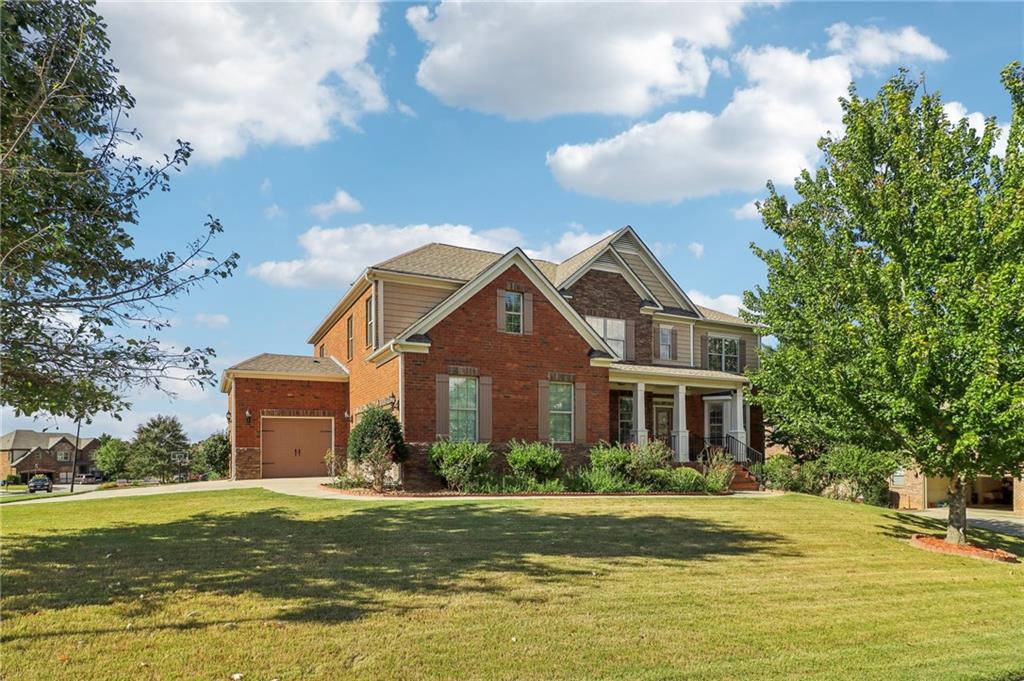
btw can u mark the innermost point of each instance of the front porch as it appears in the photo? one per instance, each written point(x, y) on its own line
point(693, 411)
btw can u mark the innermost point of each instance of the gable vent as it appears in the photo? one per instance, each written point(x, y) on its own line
point(606, 259)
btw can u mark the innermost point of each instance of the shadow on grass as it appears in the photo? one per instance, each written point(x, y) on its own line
point(341, 568)
point(909, 524)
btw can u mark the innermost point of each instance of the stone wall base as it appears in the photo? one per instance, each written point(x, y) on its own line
point(245, 463)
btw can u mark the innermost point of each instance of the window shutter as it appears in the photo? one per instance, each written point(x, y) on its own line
point(673, 352)
point(527, 313)
point(703, 351)
point(501, 309)
point(742, 364)
point(486, 411)
point(543, 409)
point(579, 416)
point(442, 406)
point(630, 349)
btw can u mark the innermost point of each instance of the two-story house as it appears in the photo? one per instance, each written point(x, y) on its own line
point(27, 453)
point(475, 345)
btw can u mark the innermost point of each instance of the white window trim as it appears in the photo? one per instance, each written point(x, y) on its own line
point(63, 456)
point(603, 332)
point(476, 407)
point(520, 314)
point(670, 329)
point(571, 412)
point(726, 417)
point(725, 336)
point(370, 322)
point(632, 416)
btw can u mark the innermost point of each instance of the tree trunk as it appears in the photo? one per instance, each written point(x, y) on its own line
point(956, 526)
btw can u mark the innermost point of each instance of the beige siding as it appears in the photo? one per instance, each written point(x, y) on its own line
point(682, 344)
point(406, 303)
point(749, 336)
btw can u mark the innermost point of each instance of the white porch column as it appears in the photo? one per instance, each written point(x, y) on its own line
point(680, 434)
point(738, 431)
point(640, 414)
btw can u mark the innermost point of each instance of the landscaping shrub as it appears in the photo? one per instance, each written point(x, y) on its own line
point(13, 479)
point(600, 481)
point(719, 471)
point(781, 472)
point(610, 458)
point(865, 472)
point(533, 460)
point(512, 484)
point(646, 458)
point(681, 479)
point(461, 464)
point(812, 478)
point(376, 443)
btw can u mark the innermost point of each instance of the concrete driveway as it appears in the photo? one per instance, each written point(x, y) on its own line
point(997, 521)
point(302, 487)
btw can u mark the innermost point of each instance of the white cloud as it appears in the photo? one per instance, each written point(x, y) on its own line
point(748, 211)
point(224, 76)
point(662, 249)
point(872, 47)
point(956, 111)
point(334, 257)
point(405, 109)
point(265, 186)
point(697, 248)
point(533, 60)
point(341, 202)
point(212, 320)
point(720, 66)
point(727, 302)
point(273, 211)
point(769, 130)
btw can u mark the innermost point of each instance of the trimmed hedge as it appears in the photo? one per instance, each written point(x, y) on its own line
point(533, 460)
point(463, 465)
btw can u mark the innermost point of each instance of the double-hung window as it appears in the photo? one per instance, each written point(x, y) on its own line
point(369, 322)
point(560, 412)
point(724, 354)
point(665, 342)
point(899, 477)
point(349, 337)
point(513, 312)
point(63, 456)
point(462, 408)
point(613, 331)
point(625, 418)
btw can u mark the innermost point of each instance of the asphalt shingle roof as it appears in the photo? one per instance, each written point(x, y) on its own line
point(27, 439)
point(291, 364)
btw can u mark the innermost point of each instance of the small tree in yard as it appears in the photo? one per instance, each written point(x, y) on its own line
point(898, 298)
point(376, 444)
point(212, 455)
point(113, 457)
point(158, 445)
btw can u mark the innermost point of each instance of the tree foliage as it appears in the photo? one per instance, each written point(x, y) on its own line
point(160, 449)
point(376, 444)
point(80, 305)
point(113, 457)
point(898, 296)
point(212, 455)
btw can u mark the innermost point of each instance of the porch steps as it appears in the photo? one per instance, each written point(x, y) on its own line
point(743, 481)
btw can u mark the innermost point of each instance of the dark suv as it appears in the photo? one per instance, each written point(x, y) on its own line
point(40, 484)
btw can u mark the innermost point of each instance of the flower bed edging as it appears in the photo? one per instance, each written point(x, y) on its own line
point(443, 494)
point(939, 545)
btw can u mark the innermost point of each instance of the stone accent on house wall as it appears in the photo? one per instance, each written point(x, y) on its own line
point(608, 294)
point(264, 397)
point(1018, 496)
point(468, 337)
point(245, 463)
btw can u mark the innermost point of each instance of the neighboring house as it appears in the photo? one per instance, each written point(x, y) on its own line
point(916, 491)
point(469, 344)
point(28, 453)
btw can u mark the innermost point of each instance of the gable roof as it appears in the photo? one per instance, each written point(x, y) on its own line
point(270, 365)
point(518, 258)
point(450, 262)
point(30, 439)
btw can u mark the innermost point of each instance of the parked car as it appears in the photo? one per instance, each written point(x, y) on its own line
point(40, 483)
point(90, 479)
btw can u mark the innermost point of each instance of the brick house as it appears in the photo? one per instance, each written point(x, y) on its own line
point(27, 453)
point(462, 343)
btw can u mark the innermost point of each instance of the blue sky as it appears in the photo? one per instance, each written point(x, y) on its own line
point(331, 136)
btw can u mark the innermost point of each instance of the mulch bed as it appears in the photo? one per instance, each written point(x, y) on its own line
point(365, 492)
point(939, 545)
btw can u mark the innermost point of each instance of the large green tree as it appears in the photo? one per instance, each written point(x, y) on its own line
point(160, 449)
point(113, 457)
point(80, 305)
point(212, 455)
point(897, 297)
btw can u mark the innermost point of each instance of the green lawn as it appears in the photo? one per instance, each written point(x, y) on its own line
point(200, 586)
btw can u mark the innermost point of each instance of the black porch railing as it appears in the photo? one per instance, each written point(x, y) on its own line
point(703, 448)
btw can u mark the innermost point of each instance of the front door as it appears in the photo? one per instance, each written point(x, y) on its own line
point(663, 423)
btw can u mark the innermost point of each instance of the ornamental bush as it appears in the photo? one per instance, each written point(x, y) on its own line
point(865, 471)
point(463, 465)
point(718, 473)
point(600, 481)
point(646, 458)
point(781, 472)
point(610, 458)
point(533, 460)
point(376, 444)
point(683, 479)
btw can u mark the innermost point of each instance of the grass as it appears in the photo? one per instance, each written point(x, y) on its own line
point(26, 496)
point(209, 584)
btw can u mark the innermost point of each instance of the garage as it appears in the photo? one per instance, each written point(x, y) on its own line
point(294, 447)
